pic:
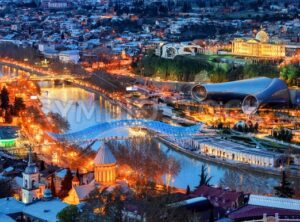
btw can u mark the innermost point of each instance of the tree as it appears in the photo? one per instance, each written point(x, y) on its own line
point(256, 70)
point(68, 214)
point(146, 159)
point(218, 75)
point(42, 165)
point(34, 113)
point(6, 188)
point(4, 96)
point(18, 105)
point(256, 127)
point(289, 73)
point(283, 134)
point(77, 173)
point(59, 121)
point(114, 206)
point(220, 125)
point(66, 184)
point(284, 189)
point(188, 190)
point(52, 186)
point(93, 207)
point(8, 117)
point(158, 208)
point(204, 178)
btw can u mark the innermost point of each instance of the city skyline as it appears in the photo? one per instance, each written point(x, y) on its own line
point(144, 111)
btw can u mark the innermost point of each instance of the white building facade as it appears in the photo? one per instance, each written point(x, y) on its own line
point(171, 50)
point(235, 152)
point(69, 56)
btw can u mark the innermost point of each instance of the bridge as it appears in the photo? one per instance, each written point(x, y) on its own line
point(39, 75)
point(68, 78)
point(97, 132)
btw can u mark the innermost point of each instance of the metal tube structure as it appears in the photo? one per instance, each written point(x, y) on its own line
point(253, 93)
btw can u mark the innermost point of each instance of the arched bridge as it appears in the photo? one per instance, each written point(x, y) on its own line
point(98, 131)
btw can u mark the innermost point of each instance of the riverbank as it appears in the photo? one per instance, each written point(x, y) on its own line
point(234, 165)
point(112, 98)
point(104, 111)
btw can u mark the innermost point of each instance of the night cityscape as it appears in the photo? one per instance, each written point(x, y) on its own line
point(149, 111)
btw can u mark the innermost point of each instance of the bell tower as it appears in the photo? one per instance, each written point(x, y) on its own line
point(31, 179)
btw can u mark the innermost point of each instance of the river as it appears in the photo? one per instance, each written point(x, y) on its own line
point(70, 101)
point(84, 109)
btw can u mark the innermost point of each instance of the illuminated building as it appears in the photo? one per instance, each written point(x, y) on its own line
point(69, 56)
point(104, 174)
point(8, 136)
point(260, 47)
point(31, 189)
point(55, 4)
point(171, 50)
point(79, 193)
point(251, 93)
point(231, 151)
point(105, 166)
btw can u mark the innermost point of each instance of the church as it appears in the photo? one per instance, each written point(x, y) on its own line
point(105, 173)
point(36, 204)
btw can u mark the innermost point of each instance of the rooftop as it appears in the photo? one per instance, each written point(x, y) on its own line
point(104, 156)
point(278, 202)
point(45, 210)
point(8, 132)
point(218, 196)
point(259, 205)
point(84, 190)
point(251, 211)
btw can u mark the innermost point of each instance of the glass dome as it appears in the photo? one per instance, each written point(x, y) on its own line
point(262, 36)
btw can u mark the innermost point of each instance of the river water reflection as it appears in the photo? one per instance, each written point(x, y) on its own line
point(84, 109)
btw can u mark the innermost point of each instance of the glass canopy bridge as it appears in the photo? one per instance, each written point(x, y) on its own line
point(98, 132)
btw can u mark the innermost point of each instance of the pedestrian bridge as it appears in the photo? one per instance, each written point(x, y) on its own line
point(98, 131)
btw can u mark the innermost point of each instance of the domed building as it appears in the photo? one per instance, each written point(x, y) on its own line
point(259, 47)
point(262, 36)
point(105, 166)
point(105, 172)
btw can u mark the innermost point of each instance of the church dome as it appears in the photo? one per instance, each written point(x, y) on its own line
point(104, 156)
point(31, 169)
point(262, 36)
